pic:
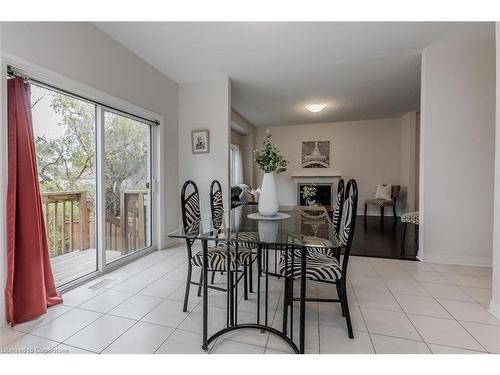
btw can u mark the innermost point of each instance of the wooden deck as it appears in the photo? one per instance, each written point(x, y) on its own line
point(78, 263)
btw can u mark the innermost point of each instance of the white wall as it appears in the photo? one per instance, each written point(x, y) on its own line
point(245, 139)
point(235, 138)
point(408, 161)
point(205, 105)
point(495, 297)
point(457, 152)
point(368, 150)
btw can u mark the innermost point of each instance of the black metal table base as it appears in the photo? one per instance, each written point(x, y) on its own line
point(254, 326)
point(232, 300)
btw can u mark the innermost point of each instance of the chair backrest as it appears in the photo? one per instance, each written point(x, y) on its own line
point(216, 205)
point(348, 222)
point(190, 209)
point(339, 202)
point(395, 190)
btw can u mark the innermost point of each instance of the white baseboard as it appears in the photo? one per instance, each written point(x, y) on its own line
point(462, 260)
point(171, 242)
point(494, 309)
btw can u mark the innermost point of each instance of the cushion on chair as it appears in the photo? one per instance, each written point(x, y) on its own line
point(379, 202)
point(217, 258)
point(318, 267)
point(384, 192)
point(410, 217)
point(321, 246)
point(252, 237)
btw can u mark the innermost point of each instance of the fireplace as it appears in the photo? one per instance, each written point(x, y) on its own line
point(323, 197)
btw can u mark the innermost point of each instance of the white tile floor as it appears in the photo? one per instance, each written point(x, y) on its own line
point(396, 307)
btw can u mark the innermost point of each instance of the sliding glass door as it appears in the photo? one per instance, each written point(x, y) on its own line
point(94, 168)
point(64, 129)
point(127, 184)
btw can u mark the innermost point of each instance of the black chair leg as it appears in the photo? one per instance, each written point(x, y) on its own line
point(339, 294)
point(285, 306)
point(231, 287)
point(382, 213)
point(366, 206)
point(213, 278)
point(201, 284)
point(346, 309)
point(403, 239)
point(250, 274)
point(394, 211)
point(188, 286)
point(245, 281)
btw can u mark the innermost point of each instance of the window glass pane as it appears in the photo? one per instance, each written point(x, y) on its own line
point(64, 130)
point(127, 185)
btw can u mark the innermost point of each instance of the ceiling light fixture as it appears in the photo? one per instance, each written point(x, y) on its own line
point(316, 107)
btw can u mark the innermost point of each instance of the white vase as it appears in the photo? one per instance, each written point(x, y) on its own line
point(268, 230)
point(268, 200)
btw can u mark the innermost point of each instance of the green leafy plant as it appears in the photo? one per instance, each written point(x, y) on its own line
point(269, 158)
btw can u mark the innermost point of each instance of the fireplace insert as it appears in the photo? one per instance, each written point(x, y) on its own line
point(323, 195)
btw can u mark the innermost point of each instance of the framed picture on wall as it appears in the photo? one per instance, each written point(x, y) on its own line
point(316, 154)
point(200, 142)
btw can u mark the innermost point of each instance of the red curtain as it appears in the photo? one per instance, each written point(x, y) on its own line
point(30, 285)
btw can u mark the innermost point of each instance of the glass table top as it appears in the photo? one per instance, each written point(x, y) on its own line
point(304, 227)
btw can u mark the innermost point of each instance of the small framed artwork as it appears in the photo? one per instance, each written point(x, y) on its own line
point(200, 142)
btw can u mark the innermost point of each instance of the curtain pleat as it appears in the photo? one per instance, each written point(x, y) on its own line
point(30, 286)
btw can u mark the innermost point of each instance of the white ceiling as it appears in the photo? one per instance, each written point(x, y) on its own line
point(361, 70)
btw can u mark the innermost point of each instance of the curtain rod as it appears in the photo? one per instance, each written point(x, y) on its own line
point(12, 72)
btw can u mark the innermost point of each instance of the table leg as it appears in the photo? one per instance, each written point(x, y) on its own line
point(229, 291)
point(259, 250)
point(302, 300)
point(266, 302)
point(205, 294)
point(235, 285)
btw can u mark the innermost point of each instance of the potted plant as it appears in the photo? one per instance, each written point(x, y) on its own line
point(271, 162)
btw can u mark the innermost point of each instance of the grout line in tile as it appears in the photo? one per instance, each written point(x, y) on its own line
point(461, 325)
point(406, 315)
point(364, 322)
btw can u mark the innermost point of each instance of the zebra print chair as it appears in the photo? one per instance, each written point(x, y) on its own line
point(218, 259)
point(337, 214)
point(323, 267)
point(217, 219)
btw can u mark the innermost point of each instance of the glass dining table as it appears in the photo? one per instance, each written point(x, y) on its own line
point(275, 241)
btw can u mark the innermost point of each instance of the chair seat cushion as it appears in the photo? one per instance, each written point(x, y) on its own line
point(379, 202)
point(410, 217)
point(321, 246)
point(218, 258)
point(251, 237)
point(319, 267)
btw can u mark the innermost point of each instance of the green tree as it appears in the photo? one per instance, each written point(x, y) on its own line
point(67, 162)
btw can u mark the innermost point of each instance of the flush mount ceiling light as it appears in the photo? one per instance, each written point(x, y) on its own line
point(315, 107)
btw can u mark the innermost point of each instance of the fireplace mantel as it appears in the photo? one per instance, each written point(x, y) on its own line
point(315, 174)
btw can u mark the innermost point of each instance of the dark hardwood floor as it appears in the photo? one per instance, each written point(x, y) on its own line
point(382, 238)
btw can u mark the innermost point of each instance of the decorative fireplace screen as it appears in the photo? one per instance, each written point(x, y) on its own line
point(323, 195)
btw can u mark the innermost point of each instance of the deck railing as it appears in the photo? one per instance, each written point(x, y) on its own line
point(69, 222)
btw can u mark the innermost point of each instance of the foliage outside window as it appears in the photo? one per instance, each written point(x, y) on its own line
point(65, 138)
